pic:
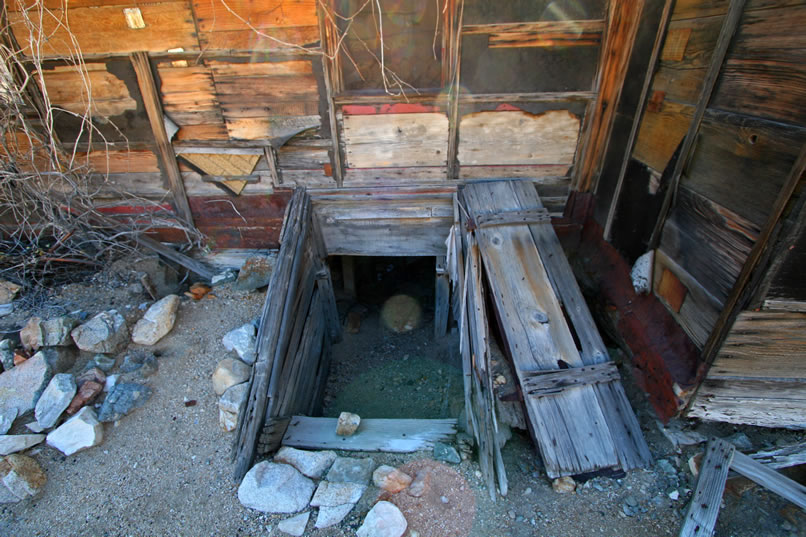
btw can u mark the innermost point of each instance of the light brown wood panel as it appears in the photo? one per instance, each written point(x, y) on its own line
point(191, 133)
point(189, 96)
point(764, 344)
point(263, 40)
point(69, 88)
point(540, 34)
point(518, 138)
point(218, 16)
point(394, 176)
point(395, 140)
point(119, 161)
point(538, 171)
point(103, 30)
point(690, 9)
point(261, 128)
point(660, 133)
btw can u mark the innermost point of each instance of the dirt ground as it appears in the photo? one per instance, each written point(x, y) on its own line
point(165, 470)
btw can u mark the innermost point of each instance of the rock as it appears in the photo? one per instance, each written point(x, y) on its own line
point(7, 418)
point(641, 273)
point(255, 273)
point(21, 387)
point(347, 424)
point(666, 467)
point(22, 477)
point(421, 482)
point(350, 470)
point(55, 400)
point(674, 495)
point(103, 362)
point(86, 395)
point(8, 291)
point(275, 488)
point(110, 383)
point(330, 494)
point(564, 485)
point(242, 340)
point(31, 334)
point(229, 372)
point(123, 399)
point(7, 354)
point(105, 333)
point(56, 332)
point(231, 404)
point(82, 431)
point(6, 309)
point(224, 277)
point(93, 374)
point(741, 441)
point(157, 322)
point(383, 520)
point(330, 516)
point(390, 479)
point(445, 453)
point(198, 291)
point(295, 525)
point(12, 443)
point(34, 427)
point(312, 464)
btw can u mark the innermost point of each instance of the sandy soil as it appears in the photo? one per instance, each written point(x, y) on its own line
point(165, 470)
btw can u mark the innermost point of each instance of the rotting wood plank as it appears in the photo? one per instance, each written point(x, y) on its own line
point(151, 101)
point(388, 435)
point(782, 457)
point(546, 383)
point(769, 479)
point(704, 507)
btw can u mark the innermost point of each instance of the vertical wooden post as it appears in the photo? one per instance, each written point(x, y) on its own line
point(442, 293)
point(333, 85)
point(165, 151)
point(348, 275)
point(454, 42)
point(271, 159)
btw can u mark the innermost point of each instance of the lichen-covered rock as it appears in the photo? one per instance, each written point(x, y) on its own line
point(255, 273)
point(21, 478)
point(123, 398)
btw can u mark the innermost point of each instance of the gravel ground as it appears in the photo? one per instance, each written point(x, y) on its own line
point(165, 470)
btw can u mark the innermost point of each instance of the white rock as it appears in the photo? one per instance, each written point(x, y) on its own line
point(330, 516)
point(157, 322)
point(21, 386)
point(34, 427)
point(231, 404)
point(110, 382)
point(275, 488)
point(295, 525)
point(55, 399)
point(12, 443)
point(106, 333)
point(242, 340)
point(383, 520)
point(347, 424)
point(333, 494)
point(56, 332)
point(7, 417)
point(82, 431)
point(311, 463)
point(228, 373)
point(641, 273)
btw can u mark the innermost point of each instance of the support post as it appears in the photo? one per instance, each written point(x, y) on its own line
point(442, 293)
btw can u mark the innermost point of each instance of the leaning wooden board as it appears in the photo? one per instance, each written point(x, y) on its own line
point(576, 430)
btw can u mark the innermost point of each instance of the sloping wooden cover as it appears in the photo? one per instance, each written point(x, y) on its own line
point(585, 426)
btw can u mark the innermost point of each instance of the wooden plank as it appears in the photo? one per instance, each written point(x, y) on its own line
point(103, 30)
point(387, 435)
point(623, 19)
point(542, 171)
point(769, 479)
point(759, 402)
point(513, 217)
point(546, 383)
point(73, 88)
point(660, 134)
point(543, 139)
point(189, 96)
point(442, 294)
point(638, 115)
point(729, 27)
point(389, 140)
point(116, 162)
point(151, 100)
point(285, 40)
point(215, 16)
point(571, 33)
point(782, 457)
point(704, 506)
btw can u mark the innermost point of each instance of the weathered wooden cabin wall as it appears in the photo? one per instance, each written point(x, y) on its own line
point(728, 197)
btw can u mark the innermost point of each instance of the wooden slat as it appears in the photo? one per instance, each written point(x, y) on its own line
point(704, 507)
point(103, 30)
point(546, 383)
point(769, 479)
point(388, 435)
point(286, 40)
point(513, 217)
point(189, 96)
point(390, 140)
point(219, 16)
point(116, 162)
point(782, 457)
point(529, 139)
point(71, 88)
point(151, 100)
point(660, 134)
point(760, 402)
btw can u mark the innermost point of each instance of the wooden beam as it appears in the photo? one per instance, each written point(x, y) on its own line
point(623, 22)
point(769, 479)
point(704, 507)
point(729, 27)
point(639, 114)
point(454, 77)
point(442, 294)
point(332, 70)
point(741, 289)
point(153, 106)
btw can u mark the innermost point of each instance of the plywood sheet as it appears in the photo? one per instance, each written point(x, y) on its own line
point(518, 138)
point(660, 133)
point(70, 88)
point(103, 30)
point(395, 140)
point(223, 164)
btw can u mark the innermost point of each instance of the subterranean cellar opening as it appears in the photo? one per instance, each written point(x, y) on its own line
point(389, 364)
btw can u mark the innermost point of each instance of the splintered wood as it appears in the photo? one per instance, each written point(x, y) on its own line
point(579, 416)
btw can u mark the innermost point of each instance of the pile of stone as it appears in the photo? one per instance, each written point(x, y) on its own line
point(69, 409)
point(296, 480)
point(231, 374)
